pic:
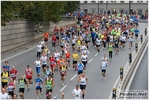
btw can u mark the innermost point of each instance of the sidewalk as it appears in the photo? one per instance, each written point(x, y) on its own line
point(19, 49)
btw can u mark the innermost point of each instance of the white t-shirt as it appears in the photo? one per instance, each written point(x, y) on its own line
point(84, 58)
point(73, 41)
point(37, 63)
point(104, 64)
point(44, 60)
point(98, 41)
point(39, 48)
point(57, 55)
point(123, 38)
point(77, 93)
point(83, 47)
point(42, 42)
point(4, 96)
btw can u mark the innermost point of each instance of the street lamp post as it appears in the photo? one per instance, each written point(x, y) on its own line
point(129, 7)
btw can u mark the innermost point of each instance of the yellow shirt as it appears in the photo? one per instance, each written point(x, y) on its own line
point(78, 42)
point(5, 77)
point(75, 57)
point(102, 36)
point(63, 68)
point(45, 50)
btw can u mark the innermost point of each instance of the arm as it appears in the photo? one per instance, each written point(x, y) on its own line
point(62, 95)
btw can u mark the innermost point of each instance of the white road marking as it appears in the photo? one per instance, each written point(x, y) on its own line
point(73, 77)
point(96, 54)
point(90, 60)
point(19, 53)
point(63, 88)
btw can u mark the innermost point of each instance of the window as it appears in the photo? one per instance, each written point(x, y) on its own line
point(121, 11)
point(122, 1)
point(93, 11)
point(101, 1)
point(113, 1)
point(85, 1)
point(85, 11)
point(93, 2)
point(101, 11)
point(140, 1)
point(147, 1)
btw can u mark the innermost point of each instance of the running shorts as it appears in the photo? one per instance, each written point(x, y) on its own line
point(80, 72)
point(43, 66)
point(74, 62)
point(11, 93)
point(21, 90)
point(103, 70)
point(4, 84)
point(82, 87)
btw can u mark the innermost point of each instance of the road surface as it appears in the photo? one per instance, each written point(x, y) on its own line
point(97, 88)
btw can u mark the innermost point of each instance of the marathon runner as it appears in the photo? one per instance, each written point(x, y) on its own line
point(11, 88)
point(13, 73)
point(38, 85)
point(75, 58)
point(103, 65)
point(83, 81)
point(49, 84)
point(67, 57)
point(44, 60)
point(46, 37)
point(77, 93)
point(39, 49)
point(37, 63)
point(22, 81)
point(4, 78)
point(63, 70)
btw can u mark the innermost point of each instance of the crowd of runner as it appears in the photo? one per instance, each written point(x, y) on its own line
point(106, 32)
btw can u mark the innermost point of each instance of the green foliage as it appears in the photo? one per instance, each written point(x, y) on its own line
point(40, 12)
point(71, 6)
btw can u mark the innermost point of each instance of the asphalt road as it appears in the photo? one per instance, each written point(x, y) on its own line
point(140, 80)
point(97, 88)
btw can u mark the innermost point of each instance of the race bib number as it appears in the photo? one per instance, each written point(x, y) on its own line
point(13, 75)
point(44, 62)
point(52, 62)
point(38, 65)
point(77, 95)
point(21, 84)
point(48, 86)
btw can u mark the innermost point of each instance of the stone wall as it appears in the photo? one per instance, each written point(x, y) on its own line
point(17, 33)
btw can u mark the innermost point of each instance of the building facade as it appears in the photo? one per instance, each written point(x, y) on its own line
point(120, 6)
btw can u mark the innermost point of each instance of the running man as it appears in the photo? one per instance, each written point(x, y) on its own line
point(52, 61)
point(49, 84)
point(39, 50)
point(44, 60)
point(13, 73)
point(22, 81)
point(37, 63)
point(83, 81)
point(103, 66)
point(84, 59)
point(75, 57)
point(46, 37)
point(4, 78)
point(29, 74)
point(38, 84)
point(77, 92)
point(67, 57)
point(11, 88)
point(110, 49)
point(63, 70)
point(6, 66)
point(80, 68)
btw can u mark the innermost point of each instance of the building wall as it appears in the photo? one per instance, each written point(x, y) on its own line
point(93, 7)
point(17, 33)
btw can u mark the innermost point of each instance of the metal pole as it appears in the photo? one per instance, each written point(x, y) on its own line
point(98, 7)
point(129, 6)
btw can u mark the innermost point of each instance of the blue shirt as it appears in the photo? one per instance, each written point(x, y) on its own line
point(47, 73)
point(136, 31)
point(93, 35)
point(7, 67)
point(80, 66)
point(38, 80)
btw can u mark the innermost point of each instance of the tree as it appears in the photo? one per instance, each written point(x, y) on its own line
point(71, 6)
point(40, 12)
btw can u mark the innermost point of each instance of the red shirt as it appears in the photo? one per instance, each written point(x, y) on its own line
point(13, 73)
point(52, 61)
point(29, 73)
point(53, 38)
point(56, 29)
point(11, 86)
point(67, 55)
point(61, 30)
